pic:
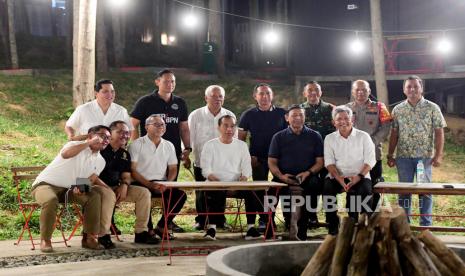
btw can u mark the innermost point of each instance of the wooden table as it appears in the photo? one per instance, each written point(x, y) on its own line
point(215, 186)
point(423, 188)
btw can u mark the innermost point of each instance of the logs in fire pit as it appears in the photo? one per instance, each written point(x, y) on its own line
point(383, 245)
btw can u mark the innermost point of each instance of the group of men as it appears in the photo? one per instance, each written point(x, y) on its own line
point(315, 148)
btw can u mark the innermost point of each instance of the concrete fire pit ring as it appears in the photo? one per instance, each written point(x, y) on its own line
point(270, 258)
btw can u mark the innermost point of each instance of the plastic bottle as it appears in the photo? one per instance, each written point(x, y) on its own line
point(420, 172)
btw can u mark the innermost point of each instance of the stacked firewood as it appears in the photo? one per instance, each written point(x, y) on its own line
point(383, 245)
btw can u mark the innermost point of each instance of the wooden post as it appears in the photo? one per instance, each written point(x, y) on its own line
point(442, 268)
point(362, 247)
point(378, 51)
point(417, 256)
point(12, 35)
point(400, 228)
point(343, 248)
point(445, 254)
point(320, 263)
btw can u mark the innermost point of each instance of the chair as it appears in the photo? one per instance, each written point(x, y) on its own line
point(27, 206)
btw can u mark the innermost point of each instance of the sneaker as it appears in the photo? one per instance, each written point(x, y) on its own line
point(145, 237)
point(106, 241)
point(252, 234)
point(261, 227)
point(302, 235)
point(114, 230)
point(175, 228)
point(211, 233)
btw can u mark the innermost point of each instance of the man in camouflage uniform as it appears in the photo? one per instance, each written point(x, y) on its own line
point(374, 118)
point(317, 112)
point(318, 117)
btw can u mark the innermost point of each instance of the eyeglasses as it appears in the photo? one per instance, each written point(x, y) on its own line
point(157, 124)
point(103, 136)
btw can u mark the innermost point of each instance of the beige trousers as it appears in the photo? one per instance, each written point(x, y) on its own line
point(108, 200)
point(142, 198)
point(49, 196)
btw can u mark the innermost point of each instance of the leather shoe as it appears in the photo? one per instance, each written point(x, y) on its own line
point(90, 242)
point(46, 246)
point(105, 240)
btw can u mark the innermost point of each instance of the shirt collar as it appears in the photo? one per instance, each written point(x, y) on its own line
point(271, 108)
point(353, 133)
point(157, 96)
point(304, 130)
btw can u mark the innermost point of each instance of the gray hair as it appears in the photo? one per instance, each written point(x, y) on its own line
point(364, 81)
point(151, 117)
point(341, 108)
point(210, 89)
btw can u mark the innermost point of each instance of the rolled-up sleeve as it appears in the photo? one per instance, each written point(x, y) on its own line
point(369, 155)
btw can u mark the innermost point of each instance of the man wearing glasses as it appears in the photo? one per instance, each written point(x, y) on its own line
point(117, 175)
point(154, 160)
point(77, 159)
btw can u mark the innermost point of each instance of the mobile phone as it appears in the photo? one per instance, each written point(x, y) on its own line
point(447, 186)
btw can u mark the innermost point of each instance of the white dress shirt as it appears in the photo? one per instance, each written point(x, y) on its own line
point(227, 162)
point(152, 161)
point(63, 172)
point(351, 153)
point(203, 127)
point(90, 114)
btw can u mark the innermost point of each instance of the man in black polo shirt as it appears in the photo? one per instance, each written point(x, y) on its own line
point(295, 158)
point(173, 110)
point(262, 122)
point(117, 175)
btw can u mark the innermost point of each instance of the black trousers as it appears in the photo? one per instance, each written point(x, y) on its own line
point(178, 197)
point(200, 200)
point(376, 174)
point(260, 173)
point(216, 202)
point(332, 188)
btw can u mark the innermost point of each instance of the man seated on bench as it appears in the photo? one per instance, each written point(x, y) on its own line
point(117, 175)
point(154, 160)
point(349, 156)
point(77, 159)
point(227, 159)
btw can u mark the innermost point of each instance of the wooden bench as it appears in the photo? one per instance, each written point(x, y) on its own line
point(456, 189)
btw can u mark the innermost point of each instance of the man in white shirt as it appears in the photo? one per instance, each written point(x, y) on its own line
point(349, 156)
point(77, 159)
point(203, 126)
point(227, 159)
point(154, 160)
point(101, 111)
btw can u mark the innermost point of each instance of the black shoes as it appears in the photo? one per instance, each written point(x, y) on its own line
point(145, 237)
point(211, 234)
point(106, 241)
point(252, 234)
point(175, 228)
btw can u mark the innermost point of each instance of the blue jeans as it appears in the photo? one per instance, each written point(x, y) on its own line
point(406, 170)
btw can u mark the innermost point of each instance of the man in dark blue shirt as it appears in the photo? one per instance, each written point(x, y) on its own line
point(261, 122)
point(295, 157)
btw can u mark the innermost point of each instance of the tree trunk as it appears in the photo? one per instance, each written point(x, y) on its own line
point(4, 32)
point(69, 36)
point(118, 46)
point(156, 25)
point(12, 35)
point(83, 91)
point(215, 29)
point(76, 76)
point(254, 31)
point(101, 39)
point(201, 38)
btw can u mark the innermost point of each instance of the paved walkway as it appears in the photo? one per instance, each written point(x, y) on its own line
point(133, 266)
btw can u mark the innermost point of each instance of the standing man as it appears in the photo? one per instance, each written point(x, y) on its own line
point(317, 112)
point(203, 126)
point(153, 161)
point(101, 111)
point(295, 158)
point(261, 122)
point(418, 133)
point(373, 118)
point(173, 110)
point(227, 159)
point(77, 159)
point(349, 157)
point(117, 175)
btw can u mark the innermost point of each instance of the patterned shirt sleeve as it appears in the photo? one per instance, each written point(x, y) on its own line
point(438, 118)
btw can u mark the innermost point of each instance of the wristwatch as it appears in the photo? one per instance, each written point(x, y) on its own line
point(188, 148)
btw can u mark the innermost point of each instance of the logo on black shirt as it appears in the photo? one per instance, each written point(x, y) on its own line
point(174, 106)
